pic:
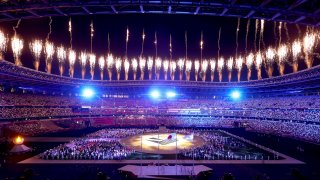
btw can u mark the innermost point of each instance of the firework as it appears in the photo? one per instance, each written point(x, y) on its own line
point(149, 66)
point(258, 63)
point(165, 68)
point(270, 56)
point(173, 67)
point(36, 49)
point(249, 62)
point(204, 67)
point(196, 69)
point(142, 65)
point(158, 67)
point(92, 62)
point(220, 67)
point(83, 62)
point(127, 40)
point(212, 68)
point(134, 65)
point(72, 60)
point(102, 63)
point(3, 44)
point(17, 46)
point(296, 50)
point(188, 69)
point(126, 68)
point(239, 63)
point(229, 66)
point(308, 44)
point(180, 65)
point(118, 67)
point(61, 56)
point(110, 64)
point(49, 51)
point(282, 54)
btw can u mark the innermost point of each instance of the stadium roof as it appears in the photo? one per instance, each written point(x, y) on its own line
point(305, 12)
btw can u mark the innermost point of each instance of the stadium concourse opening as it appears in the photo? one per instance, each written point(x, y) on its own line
point(159, 89)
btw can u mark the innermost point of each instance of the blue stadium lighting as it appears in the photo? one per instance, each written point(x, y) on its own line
point(235, 94)
point(155, 94)
point(87, 93)
point(171, 94)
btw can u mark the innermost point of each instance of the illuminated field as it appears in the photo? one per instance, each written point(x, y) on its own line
point(148, 146)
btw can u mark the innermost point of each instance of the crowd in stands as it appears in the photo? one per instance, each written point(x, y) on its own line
point(275, 115)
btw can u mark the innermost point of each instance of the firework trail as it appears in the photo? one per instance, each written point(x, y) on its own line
point(16, 27)
point(201, 46)
point(170, 47)
point(70, 32)
point(50, 29)
point(275, 33)
point(108, 44)
point(142, 44)
point(247, 33)
point(261, 34)
point(156, 43)
point(91, 35)
point(287, 31)
point(186, 43)
point(280, 35)
point(219, 37)
point(255, 35)
point(237, 34)
point(299, 30)
point(127, 40)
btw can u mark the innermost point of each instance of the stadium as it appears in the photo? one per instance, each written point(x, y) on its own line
point(159, 89)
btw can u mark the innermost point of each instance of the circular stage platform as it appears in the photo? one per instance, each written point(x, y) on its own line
point(155, 143)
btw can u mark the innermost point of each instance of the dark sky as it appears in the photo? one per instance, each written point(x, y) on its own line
point(116, 25)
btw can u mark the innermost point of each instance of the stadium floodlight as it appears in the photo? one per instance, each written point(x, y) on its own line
point(171, 94)
point(87, 93)
point(235, 94)
point(155, 94)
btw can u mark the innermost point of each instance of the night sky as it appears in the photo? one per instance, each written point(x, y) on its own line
point(116, 26)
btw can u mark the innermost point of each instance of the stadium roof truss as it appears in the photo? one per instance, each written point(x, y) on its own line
point(305, 12)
